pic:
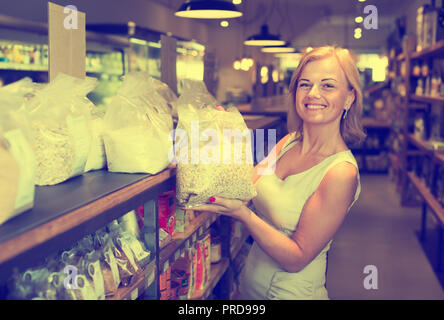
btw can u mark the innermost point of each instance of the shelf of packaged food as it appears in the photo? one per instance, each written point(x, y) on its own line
point(23, 67)
point(375, 123)
point(419, 143)
point(139, 283)
point(435, 50)
point(172, 251)
point(427, 99)
point(217, 270)
point(65, 212)
point(427, 196)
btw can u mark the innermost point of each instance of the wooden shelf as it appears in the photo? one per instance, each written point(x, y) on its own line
point(374, 123)
point(428, 197)
point(436, 50)
point(216, 272)
point(427, 99)
point(65, 212)
point(420, 144)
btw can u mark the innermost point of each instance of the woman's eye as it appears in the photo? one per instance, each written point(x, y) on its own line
point(329, 86)
point(304, 85)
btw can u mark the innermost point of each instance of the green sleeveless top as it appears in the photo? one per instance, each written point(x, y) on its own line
point(280, 203)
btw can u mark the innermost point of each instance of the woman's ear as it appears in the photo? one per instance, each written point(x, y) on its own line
point(351, 96)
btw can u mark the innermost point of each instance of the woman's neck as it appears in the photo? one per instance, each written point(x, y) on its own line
point(321, 140)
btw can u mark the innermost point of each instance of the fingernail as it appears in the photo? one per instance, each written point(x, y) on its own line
point(212, 199)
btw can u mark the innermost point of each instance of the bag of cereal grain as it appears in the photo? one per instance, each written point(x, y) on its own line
point(60, 128)
point(213, 155)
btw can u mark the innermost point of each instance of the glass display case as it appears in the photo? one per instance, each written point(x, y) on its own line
point(24, 53)
point(145, 56)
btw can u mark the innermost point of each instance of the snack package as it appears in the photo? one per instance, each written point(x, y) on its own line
point(60, 128)
point(167, 212)
point(13, 124)
point(137, 128)
point(213, 155)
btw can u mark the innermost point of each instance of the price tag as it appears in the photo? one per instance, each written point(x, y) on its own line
point(207, 225)
point(194, 237)
point(166, 265)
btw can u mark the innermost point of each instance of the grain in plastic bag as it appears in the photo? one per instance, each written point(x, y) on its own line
point(213, 155)
point(137, 128)
point(60, 125)
point(16, 137)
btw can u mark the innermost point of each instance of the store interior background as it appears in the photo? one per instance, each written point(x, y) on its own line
point(303, 24)
point(311, 23)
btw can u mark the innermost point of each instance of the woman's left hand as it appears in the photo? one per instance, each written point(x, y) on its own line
point(230, 207)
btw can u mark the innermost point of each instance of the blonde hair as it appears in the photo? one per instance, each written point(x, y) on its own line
point(351, 127)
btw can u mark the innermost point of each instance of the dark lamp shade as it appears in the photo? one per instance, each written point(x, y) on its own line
point(208, 9)
point(264, 39)
point(278, 49)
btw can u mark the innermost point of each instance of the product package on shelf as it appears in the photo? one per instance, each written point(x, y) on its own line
point(167, 211)
point(60, 126)
point(183, 219)
point(180, 274)
point(93, 269)
point(16, 154)
point(220, 163)
point(137, 131)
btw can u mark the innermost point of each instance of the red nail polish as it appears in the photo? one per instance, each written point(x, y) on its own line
point(212, 199)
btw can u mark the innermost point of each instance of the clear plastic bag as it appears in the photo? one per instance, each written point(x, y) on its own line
point(9, 181)
point(216, 162)
point(13, 126)
point(195, 93)
point(137, 128)
point(60, 125)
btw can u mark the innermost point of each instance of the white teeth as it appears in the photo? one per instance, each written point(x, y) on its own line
point(315, 106)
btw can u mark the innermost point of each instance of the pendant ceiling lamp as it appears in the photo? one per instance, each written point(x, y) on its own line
point(278, 49)
point(208, 9)
point(264, 39)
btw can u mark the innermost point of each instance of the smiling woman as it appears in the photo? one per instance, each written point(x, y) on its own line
point(330, 59)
